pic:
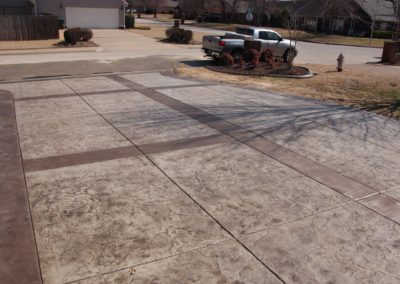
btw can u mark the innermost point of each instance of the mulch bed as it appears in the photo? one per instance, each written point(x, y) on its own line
point(263, 69)
point(78, 44)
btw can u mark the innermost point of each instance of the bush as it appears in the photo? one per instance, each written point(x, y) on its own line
point(251, 55)
point(267, 55)
point(129, 21)
point(86, 34)
point(383, 34)
point(179, 35)
point(227, 59)
point(72, 36)
point(187, 36)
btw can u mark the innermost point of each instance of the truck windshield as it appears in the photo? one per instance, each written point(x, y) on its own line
point(245, 31)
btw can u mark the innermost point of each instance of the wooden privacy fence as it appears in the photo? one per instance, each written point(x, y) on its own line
point(19, 27)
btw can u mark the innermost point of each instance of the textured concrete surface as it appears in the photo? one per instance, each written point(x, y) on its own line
point(147, 178)
point(374, 164)
point(332, 247)
point(17, 241)
point(225, 262)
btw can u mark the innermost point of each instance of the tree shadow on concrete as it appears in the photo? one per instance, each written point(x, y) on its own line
point(390, 108)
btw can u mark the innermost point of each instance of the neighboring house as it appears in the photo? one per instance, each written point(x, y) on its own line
point(168, 6)
point(17, 7)
point(350, 17)
point(106, 14)
point(150, 6)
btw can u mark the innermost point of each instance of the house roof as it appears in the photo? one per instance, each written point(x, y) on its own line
point(241, 8)
point(315, 8)
point(381, 10)
point(170, 3)
point(14, 3)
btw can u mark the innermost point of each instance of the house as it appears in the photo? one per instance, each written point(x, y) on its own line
point(168, 6)
point(17, 7)
point(346, 16)
point(156, 6)
point(102, 14)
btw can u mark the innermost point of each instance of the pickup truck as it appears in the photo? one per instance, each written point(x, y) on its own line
point(233, 43)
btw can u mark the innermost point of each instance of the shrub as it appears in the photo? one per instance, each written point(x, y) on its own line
point(72, 36)
point(187, 36)
point(175, 34)
point(168, 32)
point(129, 21)
point(251, 55)
point(227, 59)
point(179, 35)
point(86, 34)
point(267, 55)
point(241, 62)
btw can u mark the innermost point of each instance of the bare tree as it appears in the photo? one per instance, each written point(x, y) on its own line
point(291, 24)
point(260, 8)
point(337, 8)
point(191, 8)
point(229, 8)
point(131, 6)
point(396, 4)
point(233, 9)
point(154, 5)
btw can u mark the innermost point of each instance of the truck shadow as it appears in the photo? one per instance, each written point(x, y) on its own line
point(199, 63)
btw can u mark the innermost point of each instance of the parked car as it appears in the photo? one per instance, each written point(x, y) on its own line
point(233, 43)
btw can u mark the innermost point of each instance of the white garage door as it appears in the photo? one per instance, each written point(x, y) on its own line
point(99, 18)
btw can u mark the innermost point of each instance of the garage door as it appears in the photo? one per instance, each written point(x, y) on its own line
point(100, 18)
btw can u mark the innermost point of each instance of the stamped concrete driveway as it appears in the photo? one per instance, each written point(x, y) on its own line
point(150, 178)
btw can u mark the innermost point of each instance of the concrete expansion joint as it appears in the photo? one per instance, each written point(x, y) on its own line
point(347, 187)
point(150, 261)
point(139, 88)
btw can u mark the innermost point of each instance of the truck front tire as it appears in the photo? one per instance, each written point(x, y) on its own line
point(290, 53)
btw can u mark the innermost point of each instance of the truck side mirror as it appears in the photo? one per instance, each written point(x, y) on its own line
point(280, 39)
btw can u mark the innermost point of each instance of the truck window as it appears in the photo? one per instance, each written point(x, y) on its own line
point(268, 36)
point(245, 31)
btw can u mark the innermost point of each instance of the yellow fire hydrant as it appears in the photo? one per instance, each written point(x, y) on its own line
point(340, 62)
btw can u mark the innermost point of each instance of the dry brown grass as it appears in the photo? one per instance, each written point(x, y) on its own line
point(159, 34)
point(306, 36)
point(365, 86)
point(30, 44)
point(160, 17)
point(302, 35)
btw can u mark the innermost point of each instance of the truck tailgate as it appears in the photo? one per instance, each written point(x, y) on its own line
point(211, 43)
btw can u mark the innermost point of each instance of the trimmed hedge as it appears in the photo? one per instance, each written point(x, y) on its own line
point(73, 35)
point(383, 34)
point(179, 35)
point(129, 21)
point(86, 34)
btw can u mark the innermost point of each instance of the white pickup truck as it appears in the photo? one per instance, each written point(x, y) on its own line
point(233, 43)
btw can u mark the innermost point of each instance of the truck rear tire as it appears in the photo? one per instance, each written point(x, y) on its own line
point(237, 54)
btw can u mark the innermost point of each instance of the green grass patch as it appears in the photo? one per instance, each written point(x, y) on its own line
point(390, 94)
point(385, 103)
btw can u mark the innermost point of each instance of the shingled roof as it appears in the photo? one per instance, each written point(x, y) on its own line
point(381, 10)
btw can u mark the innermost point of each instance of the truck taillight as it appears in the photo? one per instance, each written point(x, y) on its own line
point(221, 43)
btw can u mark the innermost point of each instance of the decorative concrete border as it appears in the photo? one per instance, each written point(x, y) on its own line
point(308, 75)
